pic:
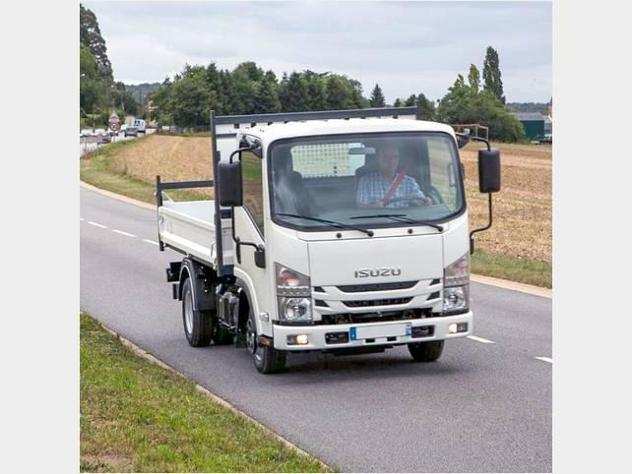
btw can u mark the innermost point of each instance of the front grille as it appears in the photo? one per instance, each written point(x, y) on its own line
point(347, 318)
point(398, 285)
point(382, 302)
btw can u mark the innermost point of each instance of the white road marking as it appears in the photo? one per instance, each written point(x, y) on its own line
point(480, 339)
point(127, 234)
point(150, 242)
point(96, 224)
point(545, 359)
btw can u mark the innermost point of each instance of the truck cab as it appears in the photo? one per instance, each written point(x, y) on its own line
point(344, 235)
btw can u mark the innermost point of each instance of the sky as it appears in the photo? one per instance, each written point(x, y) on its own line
point(405, 47)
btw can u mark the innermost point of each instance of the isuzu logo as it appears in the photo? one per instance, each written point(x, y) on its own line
point(377, 272)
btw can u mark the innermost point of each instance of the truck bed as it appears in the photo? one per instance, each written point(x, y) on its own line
point(188, 227)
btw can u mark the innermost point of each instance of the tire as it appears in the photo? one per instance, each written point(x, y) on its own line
point(267, 360)
point(426, 351)
point(198, 326)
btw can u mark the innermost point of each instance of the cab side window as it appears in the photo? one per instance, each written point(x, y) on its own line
point(252, 185)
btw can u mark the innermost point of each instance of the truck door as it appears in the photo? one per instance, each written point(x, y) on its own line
point(249, 228)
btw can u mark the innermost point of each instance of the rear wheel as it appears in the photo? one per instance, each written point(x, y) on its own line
point(267, 359)
point(426, 351)
point(197, 324)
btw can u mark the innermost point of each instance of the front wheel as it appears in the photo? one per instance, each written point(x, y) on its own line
point(267, 359)
point(426, 351)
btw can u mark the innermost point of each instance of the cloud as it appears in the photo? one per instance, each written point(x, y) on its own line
point(406, 47)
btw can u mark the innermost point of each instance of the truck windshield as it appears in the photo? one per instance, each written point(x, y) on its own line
point(365, 179)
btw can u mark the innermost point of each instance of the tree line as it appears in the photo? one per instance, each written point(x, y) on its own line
point(99, 94)
point(187, 99)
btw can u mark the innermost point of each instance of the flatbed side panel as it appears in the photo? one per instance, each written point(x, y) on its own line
point(189, 228)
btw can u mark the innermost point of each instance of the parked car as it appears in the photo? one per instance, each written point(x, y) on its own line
point(131, 132)
point(139, 125)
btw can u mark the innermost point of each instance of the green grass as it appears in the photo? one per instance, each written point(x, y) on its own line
point(98, 172)
point(137, 416)
point(532, 272)
point(97, 169)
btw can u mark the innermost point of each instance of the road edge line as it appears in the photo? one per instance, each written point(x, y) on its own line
point(137, 350)
point(486, 280)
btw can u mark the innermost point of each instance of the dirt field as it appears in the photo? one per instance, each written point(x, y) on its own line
point(522, 210)
point(173, 158)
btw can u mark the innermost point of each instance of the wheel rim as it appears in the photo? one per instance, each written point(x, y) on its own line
point(188, 312)
point(251, 336)
point(251, 342)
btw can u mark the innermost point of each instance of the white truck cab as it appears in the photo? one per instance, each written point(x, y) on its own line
point(338, 231)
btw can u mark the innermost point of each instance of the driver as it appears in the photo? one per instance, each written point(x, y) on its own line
point(387, 187)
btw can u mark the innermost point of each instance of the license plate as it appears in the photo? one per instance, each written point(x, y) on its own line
point(384, 330)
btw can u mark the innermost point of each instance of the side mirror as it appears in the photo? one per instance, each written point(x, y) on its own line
point(489, 171)
point(229, 184)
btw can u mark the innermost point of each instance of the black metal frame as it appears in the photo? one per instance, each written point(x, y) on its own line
point(490, 209)
point(320, 115)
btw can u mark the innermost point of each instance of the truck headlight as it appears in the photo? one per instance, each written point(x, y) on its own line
point(294, 294)
point(295, 309)
point(456, 285)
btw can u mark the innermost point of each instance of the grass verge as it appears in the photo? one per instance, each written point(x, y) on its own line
point(98, 170)
point(137, 416)
point(532, 272)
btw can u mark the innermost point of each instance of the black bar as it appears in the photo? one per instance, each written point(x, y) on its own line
point(319, 115)
point(183, 185)
point(219, 247)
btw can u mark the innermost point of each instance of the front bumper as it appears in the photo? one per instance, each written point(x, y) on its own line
point(316, 334)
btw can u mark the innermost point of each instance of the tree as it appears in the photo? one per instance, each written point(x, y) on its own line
point(293, 93)
point(462, 104)
point(410, 101)
point(398, 102)
point(267, 95)
point(338, 93)
point(90, 37)
point(316, 90)
point(491, 75)
point(377, 97)
point(474, 78)
point(426, 107)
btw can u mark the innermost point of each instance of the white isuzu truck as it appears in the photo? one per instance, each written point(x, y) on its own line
point(341, 231)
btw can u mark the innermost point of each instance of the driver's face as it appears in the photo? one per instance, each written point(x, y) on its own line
point(388, 160)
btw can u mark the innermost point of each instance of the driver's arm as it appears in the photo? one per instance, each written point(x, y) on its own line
point(415, 192)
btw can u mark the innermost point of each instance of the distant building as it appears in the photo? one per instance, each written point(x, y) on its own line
point(533, 124)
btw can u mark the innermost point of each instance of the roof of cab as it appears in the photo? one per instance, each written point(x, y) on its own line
point(276, 131)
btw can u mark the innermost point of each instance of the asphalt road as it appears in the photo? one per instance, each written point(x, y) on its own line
point(484, 406)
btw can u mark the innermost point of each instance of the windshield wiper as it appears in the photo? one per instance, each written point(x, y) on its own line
point(401, 218)
point(338, 225)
